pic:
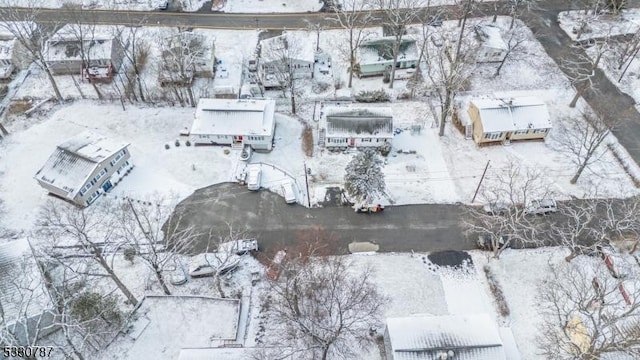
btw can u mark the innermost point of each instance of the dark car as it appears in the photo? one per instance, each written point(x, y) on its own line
point(485, 241)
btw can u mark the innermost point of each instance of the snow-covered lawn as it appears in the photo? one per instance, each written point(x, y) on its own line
point(599, 26)
point(129, 5)
point(174, 322)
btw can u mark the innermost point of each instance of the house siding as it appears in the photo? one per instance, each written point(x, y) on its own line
point(81, 199)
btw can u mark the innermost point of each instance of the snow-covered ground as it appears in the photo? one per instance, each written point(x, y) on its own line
point(599, 25)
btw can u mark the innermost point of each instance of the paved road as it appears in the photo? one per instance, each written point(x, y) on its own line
point(607, 99)
point(277, 225)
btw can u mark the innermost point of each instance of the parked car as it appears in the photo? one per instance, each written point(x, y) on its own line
point(542, 207)
point(203, 270)
point(253, 179)
point(288, 192)
point(485, 241)
point(496, 208)
point(178, 276)
point(163, 5)
point(244, 246)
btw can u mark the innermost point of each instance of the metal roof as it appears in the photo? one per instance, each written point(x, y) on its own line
point(380, 50)
point(357, 120)
point(75, 160)
point(491, 37)
point(470, 337)
point(234, 117)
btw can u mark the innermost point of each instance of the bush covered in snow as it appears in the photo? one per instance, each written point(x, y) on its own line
point(373, 96)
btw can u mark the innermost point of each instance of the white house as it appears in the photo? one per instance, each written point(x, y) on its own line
point(506, 119)
point(492, 46)
point(424, 337)
point(280, 53)
point(9, 54)
point(234, 122)
point(84, 167)
point(353, 126)
point(376, 55)
point(90, 51)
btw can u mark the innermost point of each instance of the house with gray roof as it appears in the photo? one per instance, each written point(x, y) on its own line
point(84, 167)
point(26, 309)
point(425, 337)
point(354, 126)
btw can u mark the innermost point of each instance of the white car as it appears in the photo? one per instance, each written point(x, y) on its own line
point(542, 207)
point(288, 192)
point(253, 179)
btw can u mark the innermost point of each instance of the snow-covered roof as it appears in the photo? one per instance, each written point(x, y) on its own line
point(490, 36)
point(498, 115)
point(470, 337)
point(234, 117)
point(352, 120)
point(300, 48)
point(380, 50)
point(65, 44)
point(76, 159)
point(17, 266)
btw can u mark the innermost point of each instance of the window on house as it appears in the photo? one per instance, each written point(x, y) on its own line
point(366, 140)
point(99, 176)
point(521, 132)
point(93, 196)
point(540, 131)
point(118, 157)
point(493, 135)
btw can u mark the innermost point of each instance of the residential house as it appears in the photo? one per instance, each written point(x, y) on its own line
point(424, 337)
point(186, 55)
point(84, 167)
point(26, 308)
point(90, 51)
point(376, 55)
point(507, 119)
point(234, 122)
point(277, 55)
point(492, 46)
point(352, 126)
point(9, 54)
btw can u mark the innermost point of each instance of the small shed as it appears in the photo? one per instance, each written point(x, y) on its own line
point(464, 337)
point(497, 120)
point(353, 126)
point(492, 46)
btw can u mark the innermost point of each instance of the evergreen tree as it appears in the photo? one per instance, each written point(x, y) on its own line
point(364, 179)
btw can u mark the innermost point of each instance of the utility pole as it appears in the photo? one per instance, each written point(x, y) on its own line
point(480, 183)
point(306, 181)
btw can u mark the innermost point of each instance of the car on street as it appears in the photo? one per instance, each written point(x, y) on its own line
point(541, 207)
point(244, 246)
point(496, 208)
point(253, 179)
point(163, 5)
point(288, 192)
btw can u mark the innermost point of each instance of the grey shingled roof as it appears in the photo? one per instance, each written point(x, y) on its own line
point(359, 121)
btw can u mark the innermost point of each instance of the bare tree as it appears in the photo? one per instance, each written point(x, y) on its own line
point(398, 14)
point(518, 6)
point(282, 60)
point(582, 68)
point(143, 227)
point(585, 314)
point(515, 43)
point(322, 307)
point(353, 16)
point(19, 19)
point(91, 230)
point(513, 188)
point(364, 179)
point(449, 69)
point(181, 52)
point(581, 137)
point(580, 231)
